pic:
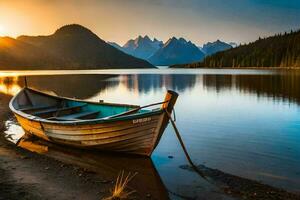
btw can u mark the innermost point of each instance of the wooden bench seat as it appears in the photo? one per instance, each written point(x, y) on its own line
point(81, 115)
point(57, 110)
point(34, 108)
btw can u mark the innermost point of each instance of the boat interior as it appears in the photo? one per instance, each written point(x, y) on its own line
point(62, 109)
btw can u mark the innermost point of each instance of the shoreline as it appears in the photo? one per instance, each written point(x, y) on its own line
point(244, 188)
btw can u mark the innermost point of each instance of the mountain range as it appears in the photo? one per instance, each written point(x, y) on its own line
point(214, 47)
point(76, 47)
point(142, 47)
point(174, 51)
point(70, 47)
point(281, 50)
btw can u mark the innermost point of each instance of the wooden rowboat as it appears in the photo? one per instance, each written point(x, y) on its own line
point(106, 126)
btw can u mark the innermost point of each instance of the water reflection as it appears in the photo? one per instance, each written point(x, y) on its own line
point(9, 85)
point(13, 132)
point(77, 86)
point(276, 86)
point(86, 86)
point(144, 83)
point(147, 180)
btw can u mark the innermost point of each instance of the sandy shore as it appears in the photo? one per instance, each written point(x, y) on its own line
point(26, 175)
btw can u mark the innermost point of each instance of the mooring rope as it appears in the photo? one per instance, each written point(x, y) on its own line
point(183, 146)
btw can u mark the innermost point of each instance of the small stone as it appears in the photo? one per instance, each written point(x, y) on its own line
point(101, 191)
point(148, 195)
point(24, 157)
point(46, 168)
point(105, 181)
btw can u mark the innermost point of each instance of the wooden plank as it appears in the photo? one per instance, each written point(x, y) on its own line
point(81, 115)
point(33, 128)
point(106, 142)
point(93, 130)
point(22, 120)
point(125, 139)
point(63, 127)
point(57, 109)
point(101, 135)
point(125, 142)
point(32, 108)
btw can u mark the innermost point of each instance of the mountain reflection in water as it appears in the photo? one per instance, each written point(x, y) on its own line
point(86, 86)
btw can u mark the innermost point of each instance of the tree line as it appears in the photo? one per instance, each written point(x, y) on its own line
point(281, 50)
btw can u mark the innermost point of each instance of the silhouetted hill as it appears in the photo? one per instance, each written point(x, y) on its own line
point(115, 45)
point(70, 47)
point(276, 51)
point(176, 51)
point(15, 53)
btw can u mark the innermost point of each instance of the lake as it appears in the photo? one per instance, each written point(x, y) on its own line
point(242, 122)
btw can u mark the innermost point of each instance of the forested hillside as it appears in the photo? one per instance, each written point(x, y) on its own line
point(282, 50)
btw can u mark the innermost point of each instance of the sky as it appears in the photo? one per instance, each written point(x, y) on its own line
point(200, 21)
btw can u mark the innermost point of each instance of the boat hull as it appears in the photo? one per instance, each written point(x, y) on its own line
point(135, 136)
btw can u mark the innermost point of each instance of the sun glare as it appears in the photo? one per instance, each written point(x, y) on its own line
point(2, 31)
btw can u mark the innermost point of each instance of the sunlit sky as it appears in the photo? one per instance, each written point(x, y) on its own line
point(240, 21)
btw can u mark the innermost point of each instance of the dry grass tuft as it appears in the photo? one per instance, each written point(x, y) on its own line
point(119, 191)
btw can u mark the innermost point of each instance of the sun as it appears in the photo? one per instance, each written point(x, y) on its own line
point(2, 31)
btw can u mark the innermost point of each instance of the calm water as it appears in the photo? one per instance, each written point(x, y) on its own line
point(243, 122)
